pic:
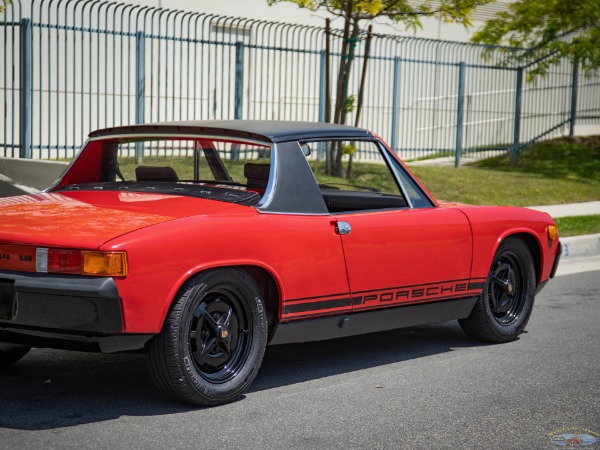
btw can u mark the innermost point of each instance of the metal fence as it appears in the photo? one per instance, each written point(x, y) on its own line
point(77, 65)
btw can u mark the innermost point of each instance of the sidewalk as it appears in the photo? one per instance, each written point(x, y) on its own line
point(571, 209)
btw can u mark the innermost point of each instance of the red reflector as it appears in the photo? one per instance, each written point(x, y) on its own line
point(64, 261)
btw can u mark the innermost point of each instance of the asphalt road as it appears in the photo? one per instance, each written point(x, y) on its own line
point(423, 387)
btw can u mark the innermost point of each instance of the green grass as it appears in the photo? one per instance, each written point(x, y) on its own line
point(576, 226)
point(363, 174)
point(564, 159)
point(555, 172)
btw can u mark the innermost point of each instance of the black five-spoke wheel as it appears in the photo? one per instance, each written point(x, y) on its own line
point(213, 340)
point(506, 293)
point(504, 307)
point(218, 336)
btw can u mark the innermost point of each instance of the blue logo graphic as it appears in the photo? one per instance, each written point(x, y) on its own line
point(573, 439)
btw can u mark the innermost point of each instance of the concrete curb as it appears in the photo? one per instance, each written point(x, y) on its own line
point(18, 188)
point(580, 246)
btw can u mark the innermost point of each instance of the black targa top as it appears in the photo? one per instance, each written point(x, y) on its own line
point(292, 188)
point(262, 130)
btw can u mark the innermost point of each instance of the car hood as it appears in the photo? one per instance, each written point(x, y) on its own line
point(87, 219)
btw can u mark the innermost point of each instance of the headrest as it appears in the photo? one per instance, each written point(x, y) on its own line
point(257, 171)
point(151, 173)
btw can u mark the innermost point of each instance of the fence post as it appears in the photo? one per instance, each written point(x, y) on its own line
point(459, 113)
point(322, 87)
point(574, 83)
point(322, 100)
point(140, 88)
point(395, 103)
point(239, 79)
point(517, 126)
point(25, 98)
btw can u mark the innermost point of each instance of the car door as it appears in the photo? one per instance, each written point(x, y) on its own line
point(399, 247)
point(406, 256)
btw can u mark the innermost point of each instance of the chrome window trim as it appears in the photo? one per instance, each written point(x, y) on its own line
point(390, 166)
point(267, 197)
point(391, 163)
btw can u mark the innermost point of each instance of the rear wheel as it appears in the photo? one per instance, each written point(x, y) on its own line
point(504, 307)
point(213, 340)
point(10, 354)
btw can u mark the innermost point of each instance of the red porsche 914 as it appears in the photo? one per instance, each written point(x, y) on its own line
point(203, 242)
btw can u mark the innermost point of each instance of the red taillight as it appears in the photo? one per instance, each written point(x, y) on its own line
point(64, 261)
point(81, 262)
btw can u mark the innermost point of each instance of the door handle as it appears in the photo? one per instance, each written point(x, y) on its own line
point(343, 228)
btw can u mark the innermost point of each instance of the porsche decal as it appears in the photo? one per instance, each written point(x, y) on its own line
point(307, 307)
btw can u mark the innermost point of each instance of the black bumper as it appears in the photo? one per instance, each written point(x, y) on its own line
point(63, 311)
point(556, 260)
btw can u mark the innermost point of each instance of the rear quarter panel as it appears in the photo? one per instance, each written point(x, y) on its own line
point(298, 251)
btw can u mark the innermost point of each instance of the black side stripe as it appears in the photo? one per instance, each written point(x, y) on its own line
point(317, 306)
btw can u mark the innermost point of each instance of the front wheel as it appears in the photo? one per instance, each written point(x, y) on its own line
point(213, 340)
point(10, 354)
point(504, 307)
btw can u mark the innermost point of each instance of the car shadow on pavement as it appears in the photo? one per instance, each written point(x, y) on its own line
point(296, 363)
point(52, 389)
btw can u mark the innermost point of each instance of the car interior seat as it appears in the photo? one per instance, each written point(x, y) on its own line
point(151, 173)
point(257, 175)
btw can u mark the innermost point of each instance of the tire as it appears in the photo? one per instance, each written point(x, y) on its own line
point(504, 307)
point(10, 354)
point(213, 339)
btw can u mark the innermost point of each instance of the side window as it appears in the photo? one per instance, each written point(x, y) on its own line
point(353, 176)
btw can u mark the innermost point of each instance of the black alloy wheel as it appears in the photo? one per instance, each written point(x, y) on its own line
point(506, 294)
point(218, 335)
point(213, 339)
point(504, 307)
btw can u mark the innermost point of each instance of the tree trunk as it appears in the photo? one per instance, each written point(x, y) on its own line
point(361, 91)
point(339, 93)
point(338, 170)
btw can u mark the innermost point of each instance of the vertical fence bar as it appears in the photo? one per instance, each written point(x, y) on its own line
point(574, 83)
point(323, 88)
point(322, 99)
point(140, 76)
point(239, 79)
point(26, 80)
point(517, 126)
point(140, 88)
point(238, 93)
point(395, 103)
point(459, 113)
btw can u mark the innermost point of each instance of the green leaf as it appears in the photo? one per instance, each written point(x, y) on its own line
point(547, 31)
